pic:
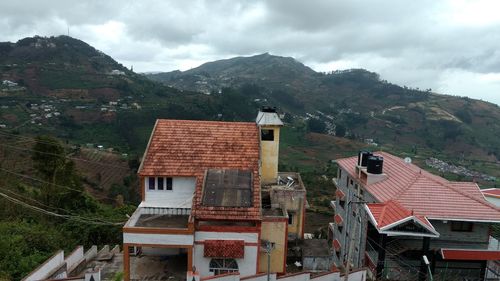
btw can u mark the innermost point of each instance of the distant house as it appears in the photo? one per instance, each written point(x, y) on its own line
point(213, 200)
point(116, 72)
point(9, 83)
point(389, 213)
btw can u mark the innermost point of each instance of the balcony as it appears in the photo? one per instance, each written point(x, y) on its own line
point(161, 226)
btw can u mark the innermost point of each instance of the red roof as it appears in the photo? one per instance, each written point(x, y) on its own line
point(336, 245)
point(491, 192)
point(339, 194)
point(338, 219)
point(190, 148)
point(426, 194)
point(390, 212)
point(224, 249)
point(471, 255)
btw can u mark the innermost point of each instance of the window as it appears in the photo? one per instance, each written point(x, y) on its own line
point(342, 203)
point(151, 183)
point(347, 182)
point(221, 266)
point(340, 228)
point(340, 173)
point(160, 183)
point(267, 135)
point(351, 182)
point(290, 218)
point(462, 226)
point(169, 183)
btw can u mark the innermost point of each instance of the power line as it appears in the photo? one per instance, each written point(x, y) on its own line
point(50, 213)
point(58, 185)
point(67, 157)
point(52, 207)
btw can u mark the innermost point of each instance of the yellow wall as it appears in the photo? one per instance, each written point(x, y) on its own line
point(293, 202)
point(269, 155)
point(274, 231)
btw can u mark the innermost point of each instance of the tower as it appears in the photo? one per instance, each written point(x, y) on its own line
point(269, 125)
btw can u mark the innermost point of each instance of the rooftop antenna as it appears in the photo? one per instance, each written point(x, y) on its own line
point(68, 29)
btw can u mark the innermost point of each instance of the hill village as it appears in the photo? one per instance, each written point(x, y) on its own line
point(215, 206)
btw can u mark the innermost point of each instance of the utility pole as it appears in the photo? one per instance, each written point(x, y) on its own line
point(269, 248)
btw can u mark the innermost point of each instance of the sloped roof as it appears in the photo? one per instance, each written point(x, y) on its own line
point(386, 216)
point(191, 148)
point(268, 118)
point(426, 194)
point(491, 192)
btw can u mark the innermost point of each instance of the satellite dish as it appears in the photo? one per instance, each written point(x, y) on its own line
point(408, 160)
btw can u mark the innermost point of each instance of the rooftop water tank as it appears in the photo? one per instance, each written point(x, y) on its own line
point(375, 165)
point(363, 158)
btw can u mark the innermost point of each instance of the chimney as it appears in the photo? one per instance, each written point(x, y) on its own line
point(269, 125)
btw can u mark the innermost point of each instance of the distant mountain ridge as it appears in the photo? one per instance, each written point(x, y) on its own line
point(356, 101)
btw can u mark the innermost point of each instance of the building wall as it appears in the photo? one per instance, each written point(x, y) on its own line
point(293, 202)
point(274, 231)
point(353, 193)
point(493, 200)
point(158, 239)
point(247, 265)
point(316, 263)
point(269, 152)
point(181, 195)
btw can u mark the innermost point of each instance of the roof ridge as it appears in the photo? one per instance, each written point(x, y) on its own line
point(484, 202)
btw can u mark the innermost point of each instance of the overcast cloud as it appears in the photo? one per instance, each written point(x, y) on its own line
point(451, 46)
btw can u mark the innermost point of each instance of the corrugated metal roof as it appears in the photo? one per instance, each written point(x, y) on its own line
point(426, 194)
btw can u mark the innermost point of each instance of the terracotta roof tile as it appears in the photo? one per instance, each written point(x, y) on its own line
point(190, 148)
point(224, 249)
point(391, 212)
point(426, 194)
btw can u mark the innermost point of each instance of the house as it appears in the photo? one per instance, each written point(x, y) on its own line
point(389, 213)
point(213, 201)
point(492, 195)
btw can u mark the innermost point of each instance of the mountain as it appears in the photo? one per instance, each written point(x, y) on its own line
point(358, 104)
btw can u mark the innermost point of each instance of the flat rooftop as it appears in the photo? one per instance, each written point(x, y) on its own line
point(167, 221)
point(274, 212)
point(286, 181)
point(228, 188)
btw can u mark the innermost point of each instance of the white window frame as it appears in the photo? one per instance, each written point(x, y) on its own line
point(155, 189)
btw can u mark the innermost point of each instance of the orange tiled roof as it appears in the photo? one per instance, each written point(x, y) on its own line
point(390, 212)
point(189, 148)
point(424, 193)
point(224, 249)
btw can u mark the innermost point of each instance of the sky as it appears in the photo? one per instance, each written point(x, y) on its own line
point(451, 47)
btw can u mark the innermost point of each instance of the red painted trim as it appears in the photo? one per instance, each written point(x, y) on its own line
point(303, 217)
point(247, 244)
point(258, 247)
point(219, 276)
point(471, 255)
point(154, 230)
point(218, 228)
point(285, 254)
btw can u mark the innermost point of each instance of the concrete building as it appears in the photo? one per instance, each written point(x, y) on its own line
point(213, 201)
point(390, 213)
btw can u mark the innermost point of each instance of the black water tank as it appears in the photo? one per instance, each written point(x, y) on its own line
point(375, 164)
point(363, 158)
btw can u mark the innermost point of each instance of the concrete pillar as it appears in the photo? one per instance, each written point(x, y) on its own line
point(422, 275)
point(381, 255)
point(126, 263)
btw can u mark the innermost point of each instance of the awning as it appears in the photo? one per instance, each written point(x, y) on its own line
point(339, 194)
point(336, 245)
point(224, 248)
point(338, 219)
point(470, 255)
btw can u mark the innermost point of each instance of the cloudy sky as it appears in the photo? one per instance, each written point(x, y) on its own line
point(452, 47)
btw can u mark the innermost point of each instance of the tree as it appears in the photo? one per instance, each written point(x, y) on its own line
point(340, 130)
point(62, 185)
point(316, 126)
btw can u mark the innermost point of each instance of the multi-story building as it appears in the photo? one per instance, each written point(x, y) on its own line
point(389, 213)
point(213, 201)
